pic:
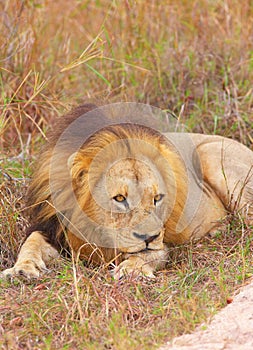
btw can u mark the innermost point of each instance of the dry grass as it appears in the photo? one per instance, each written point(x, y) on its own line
point(194, 58)
point(191, 57)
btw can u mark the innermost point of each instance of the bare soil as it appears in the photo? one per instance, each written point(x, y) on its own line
point(230, 329)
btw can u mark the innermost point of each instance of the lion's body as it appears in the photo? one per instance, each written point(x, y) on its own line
point(130, 191)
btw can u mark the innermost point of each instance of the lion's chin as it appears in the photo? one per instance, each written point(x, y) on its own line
point(133, 249)
point(141, 249)
point(144, 251)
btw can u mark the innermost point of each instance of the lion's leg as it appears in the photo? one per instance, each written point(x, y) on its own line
point(32, 258)
point(142, 263)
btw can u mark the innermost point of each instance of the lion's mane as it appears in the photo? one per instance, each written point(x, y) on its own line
point(50, 196)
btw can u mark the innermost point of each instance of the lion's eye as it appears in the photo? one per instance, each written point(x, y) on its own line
point(119, 198)
point(158, 198)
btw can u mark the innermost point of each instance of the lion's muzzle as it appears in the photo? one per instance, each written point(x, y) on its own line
point(146, 238)
point(144, 242)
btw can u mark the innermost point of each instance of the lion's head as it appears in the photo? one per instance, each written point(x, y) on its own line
point(120, 191)
point(128, 185)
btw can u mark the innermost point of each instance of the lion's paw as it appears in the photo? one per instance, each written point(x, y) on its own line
point(135, 267)
point(28, 269)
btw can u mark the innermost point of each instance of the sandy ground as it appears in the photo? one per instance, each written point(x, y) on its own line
point(230, 329)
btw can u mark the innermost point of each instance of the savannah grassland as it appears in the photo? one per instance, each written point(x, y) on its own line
point(193, 58)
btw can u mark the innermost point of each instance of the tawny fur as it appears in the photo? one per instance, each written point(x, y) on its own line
point(222, 176)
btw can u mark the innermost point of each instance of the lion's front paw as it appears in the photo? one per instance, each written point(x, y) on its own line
point(133, 266)
point(28, 269)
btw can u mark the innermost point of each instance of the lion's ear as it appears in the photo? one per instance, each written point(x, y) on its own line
point(71, 160)
point(77, 165)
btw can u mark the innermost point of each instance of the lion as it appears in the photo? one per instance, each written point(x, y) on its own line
point(126, 192)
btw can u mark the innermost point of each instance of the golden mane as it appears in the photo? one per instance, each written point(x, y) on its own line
point(61, 173)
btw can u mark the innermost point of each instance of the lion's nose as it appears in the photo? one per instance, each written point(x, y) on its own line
point(146, 238)
point(151, 239)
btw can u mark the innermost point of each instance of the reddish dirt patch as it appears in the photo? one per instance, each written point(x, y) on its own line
point(230, 329)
